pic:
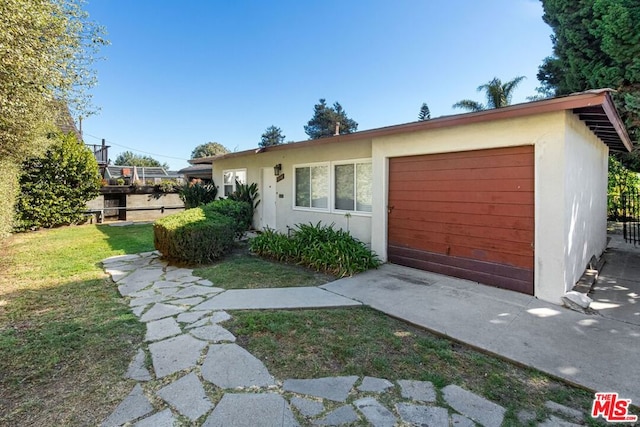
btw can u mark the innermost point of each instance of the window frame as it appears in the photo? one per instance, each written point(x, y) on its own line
point(331, 191)
point(355, 163)
point(311, 208)
point(235, 178)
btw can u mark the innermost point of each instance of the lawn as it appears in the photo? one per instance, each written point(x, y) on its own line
point(244, 271)
point(65, 333)
point(362, 341)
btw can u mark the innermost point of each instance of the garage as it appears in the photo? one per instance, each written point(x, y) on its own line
point(466, 214)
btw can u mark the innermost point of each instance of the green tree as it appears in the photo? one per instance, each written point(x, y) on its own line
point(128, 158)
point(424, 114)
point(596, 44)
point(47, 49)
point(498, 95)
point(55, 188)
point(208, 149)
point(272, 136)
point(325, 118)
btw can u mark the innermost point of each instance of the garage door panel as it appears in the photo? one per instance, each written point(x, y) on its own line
point(467, 174)
point(466, 214)
point(401, 220)
point(479, 248)
point(489, 232)
point(474, 154)
point(468, 163)
point(413, 208)
point(504, 197)
point(515, 279)
point(494, 185)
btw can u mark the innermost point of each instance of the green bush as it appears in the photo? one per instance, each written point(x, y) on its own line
point(197, 194)
point(195, 236)
point(322, 248)
point(240, 212)
point(246, 193)
point(55, 188)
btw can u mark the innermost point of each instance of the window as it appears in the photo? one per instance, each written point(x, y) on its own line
point(312, 186)
point(352, 186)
point(230, 179)
point(346, 184)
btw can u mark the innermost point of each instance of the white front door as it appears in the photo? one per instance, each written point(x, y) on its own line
point(268, 196)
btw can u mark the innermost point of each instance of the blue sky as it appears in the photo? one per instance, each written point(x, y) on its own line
point(181, 73)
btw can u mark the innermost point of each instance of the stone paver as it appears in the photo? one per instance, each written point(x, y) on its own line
point(137, 311)
point(161, 329)
point(307, 407)
point(477, 408)
point(161, 419)
point(175, 354)
point(165, 284)
point(375, 385)
point(134, 406)
point(423, 415)
point(554, 421)
point(213, 333)
point(192, 316)
point(250, 410)
point(376, 414)
point(231, 366)
point(186, 302)
point(332, 388)
point(565, 411)
point(159, 311)
point(146, 300)
point(187, 395)
point(343, 415)
point(196, 290)
point(137, 370)
point(421, 391)
point(178, 272)
point(458, 420)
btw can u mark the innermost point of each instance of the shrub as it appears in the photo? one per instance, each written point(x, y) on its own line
point(322, 248)
point(246, 193)
point(55, 188)
point(197, 194)
point(240, 212)
point(194, 236)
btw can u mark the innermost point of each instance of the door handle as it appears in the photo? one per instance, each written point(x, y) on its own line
point(389, 209)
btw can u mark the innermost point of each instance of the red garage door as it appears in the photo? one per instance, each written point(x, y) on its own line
point(468, 215)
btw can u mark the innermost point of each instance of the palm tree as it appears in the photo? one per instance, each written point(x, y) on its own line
point(498, 95)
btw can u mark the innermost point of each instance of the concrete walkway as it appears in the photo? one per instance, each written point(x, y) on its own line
point(598, 352)
point(194, 360)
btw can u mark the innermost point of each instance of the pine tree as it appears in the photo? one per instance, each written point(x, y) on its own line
point(424, 114)
point(271, 136)
point(325, 118)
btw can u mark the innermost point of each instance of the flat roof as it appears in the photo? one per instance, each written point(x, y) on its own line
point(594, 107)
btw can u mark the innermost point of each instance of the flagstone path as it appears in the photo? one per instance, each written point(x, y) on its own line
point(191, 372)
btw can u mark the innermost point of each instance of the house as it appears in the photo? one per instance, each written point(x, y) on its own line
point(197, 171)
point(514, 197)
point(146, 175)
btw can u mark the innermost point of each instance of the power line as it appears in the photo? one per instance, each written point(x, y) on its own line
point(135, 149)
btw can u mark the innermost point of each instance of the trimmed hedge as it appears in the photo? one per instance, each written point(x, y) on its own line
point(196, 235)
point(240, 212)
point(322, 248)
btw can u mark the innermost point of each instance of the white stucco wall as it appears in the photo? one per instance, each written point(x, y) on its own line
point(359, 225)
point(571, 207)
point(586, 164)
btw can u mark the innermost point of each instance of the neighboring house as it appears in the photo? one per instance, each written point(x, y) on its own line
point(146, 175)
point(514, 197)
point(200, 172)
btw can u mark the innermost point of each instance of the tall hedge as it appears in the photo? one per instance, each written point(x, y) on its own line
point(55, 188)
point(8, 192)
